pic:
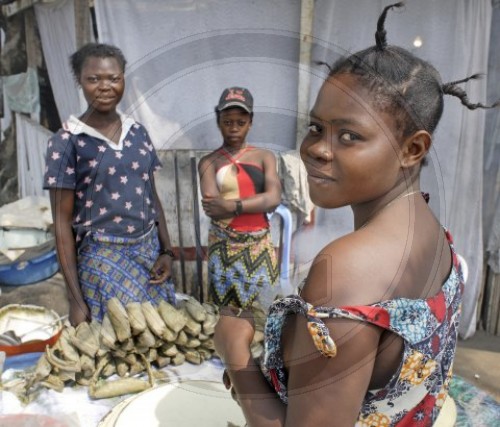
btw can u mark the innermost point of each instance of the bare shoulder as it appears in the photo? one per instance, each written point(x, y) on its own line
point(261, 153)
point(265, 157)
point(207, 160)
point(267, 154)
point(351, 270)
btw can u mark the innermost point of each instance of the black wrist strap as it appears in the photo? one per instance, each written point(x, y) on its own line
point(168, 252)
point(239, 208)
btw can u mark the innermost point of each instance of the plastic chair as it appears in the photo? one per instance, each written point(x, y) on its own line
point(286, 243)
point(465, 267)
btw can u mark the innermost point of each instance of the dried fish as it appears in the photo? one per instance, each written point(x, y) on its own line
point(119, 319)
point(99, 389)
point(195, 310)
point(127, 342)
point(108, 334)
point(173, 318)
point(85, 340)
point(193, 356)
point(136, 317)
point(192, 327)
point(153, 319)
point(63, 365)
point(145, 339)
point(53, 382)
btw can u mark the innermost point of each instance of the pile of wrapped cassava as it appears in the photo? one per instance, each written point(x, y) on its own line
point(131, 340)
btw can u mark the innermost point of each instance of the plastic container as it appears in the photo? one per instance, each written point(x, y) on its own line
point(37, 263)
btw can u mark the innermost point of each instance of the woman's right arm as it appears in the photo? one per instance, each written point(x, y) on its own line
point(62, 202)
point(213, 204)
point(206, 171)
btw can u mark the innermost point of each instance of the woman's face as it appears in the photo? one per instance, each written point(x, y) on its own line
point(103, 83)
point(234, 125)
point(351, 152)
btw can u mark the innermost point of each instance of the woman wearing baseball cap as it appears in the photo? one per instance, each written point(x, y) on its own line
point(239, 185)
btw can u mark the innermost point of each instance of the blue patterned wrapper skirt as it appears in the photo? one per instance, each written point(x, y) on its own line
point(110, 266)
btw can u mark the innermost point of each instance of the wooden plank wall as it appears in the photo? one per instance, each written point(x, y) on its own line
point(490, 310)
point(178, 185)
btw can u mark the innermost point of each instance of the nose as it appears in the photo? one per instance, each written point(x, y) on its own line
point(104, 84)
point(320, 151)
point(234, 128)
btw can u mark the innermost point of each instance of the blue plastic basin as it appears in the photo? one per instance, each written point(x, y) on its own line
point(37, 264)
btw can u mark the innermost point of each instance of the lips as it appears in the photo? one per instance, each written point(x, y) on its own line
point(319, 181)
point(319, 176)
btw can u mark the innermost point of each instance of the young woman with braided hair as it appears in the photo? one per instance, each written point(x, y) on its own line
point(371, 339)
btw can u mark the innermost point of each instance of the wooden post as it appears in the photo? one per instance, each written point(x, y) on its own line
point(33, 57)
point(82, 22)
point(306, 24)
point(179, 224)
point(198, 291)
point(490, 310)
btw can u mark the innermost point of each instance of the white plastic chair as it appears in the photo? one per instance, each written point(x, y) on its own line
point(286, 243)
point(465, 267)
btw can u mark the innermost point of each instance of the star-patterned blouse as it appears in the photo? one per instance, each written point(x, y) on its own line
point(112, 182)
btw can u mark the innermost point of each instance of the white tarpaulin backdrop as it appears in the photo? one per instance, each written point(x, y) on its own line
point(182, 54)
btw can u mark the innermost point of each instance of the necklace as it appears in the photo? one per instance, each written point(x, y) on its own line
point(386, 206)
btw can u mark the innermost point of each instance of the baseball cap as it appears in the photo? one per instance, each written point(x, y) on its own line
point(236, 97)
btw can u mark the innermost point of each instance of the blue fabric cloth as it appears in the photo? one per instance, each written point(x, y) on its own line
point(110, 266)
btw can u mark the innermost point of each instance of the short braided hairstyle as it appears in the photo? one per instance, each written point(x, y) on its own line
point(95, 50)
point(407, 87)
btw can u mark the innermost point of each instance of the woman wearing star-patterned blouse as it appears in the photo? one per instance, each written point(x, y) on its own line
point(111, 234)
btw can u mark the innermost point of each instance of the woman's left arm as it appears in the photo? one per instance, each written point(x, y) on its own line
point(162, 268)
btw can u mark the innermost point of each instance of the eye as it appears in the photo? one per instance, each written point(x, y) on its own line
point(116, 79)
point(92, 79)
point(315, 129)
point(242, 123)
point(346, 136)
point(226, 123)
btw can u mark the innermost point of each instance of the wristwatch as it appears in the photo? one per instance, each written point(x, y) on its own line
point(239, 208)
point(168, 252)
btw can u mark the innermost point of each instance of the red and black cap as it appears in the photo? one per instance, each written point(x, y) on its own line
point(236, 97)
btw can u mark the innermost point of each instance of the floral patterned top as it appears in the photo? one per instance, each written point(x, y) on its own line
point(429, 328)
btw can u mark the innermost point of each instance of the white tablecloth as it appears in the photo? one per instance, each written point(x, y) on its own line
point(75, 407)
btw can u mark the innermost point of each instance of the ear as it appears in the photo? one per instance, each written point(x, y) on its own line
point(415, 148)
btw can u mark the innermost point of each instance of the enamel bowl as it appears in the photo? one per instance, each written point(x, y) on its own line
point(37, 326)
